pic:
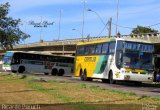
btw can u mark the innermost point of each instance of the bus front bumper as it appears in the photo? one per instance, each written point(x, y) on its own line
point(137, 77)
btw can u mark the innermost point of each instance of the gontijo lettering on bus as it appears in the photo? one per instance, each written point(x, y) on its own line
point(89, 59)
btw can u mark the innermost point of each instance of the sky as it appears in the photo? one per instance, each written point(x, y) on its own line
point(72, 24)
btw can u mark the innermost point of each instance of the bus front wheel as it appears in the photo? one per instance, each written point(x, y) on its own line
point(13, 71)
point(111, 81)
point(21, 69)
point(54, 72)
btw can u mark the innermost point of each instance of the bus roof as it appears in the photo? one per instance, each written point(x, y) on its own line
point(134, 40)
point(96, 41)
point(113, 39)
point(39, 53)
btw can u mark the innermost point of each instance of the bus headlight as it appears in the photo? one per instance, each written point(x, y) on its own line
point(150, 78)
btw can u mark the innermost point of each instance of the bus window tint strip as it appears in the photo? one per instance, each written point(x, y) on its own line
point(96, 49)
point(139, 47)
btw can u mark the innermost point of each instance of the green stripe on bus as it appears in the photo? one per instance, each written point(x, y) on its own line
point(102, 62)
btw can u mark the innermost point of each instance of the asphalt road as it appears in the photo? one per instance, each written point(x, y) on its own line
point(145, 89)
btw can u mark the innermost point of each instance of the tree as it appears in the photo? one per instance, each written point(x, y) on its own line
point(142, 30)
point(10, 34)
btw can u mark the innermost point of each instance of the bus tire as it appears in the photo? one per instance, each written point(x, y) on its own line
point(137, 83)
point(61, 72)
point(80, 74)
point(110, 78)
point(84, 75)
point(105, 80)
point(21, 69)
point(13, 71)
point(54, 72)
point(89, 79)
point(46, 73)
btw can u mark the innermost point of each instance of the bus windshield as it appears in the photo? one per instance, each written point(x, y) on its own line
point(137, 60)
point(7, 58)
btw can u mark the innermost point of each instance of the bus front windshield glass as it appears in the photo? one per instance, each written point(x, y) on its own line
point(7, 58)
point(138, 60)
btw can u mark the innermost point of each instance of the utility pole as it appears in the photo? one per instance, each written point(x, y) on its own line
point(110, 27)
point(41, 31)
point(59, 35)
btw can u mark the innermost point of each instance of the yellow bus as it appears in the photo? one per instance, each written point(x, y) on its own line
point(112, 59)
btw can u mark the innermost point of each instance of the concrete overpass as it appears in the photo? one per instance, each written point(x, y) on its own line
point(68, 46)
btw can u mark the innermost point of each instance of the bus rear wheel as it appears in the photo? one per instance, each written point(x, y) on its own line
point(61, 72)
point(84, 77)
point(46, 73)
point(21, 69)
point(13, 71)
point(54, 72)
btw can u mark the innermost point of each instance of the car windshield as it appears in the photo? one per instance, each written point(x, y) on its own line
point(137, 60)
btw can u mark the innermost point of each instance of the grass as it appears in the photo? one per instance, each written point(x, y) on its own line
point(123, 93)
point(17, 89)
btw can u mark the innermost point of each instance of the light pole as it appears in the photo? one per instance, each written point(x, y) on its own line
point(117, 16)
point(109, 22)
point(77, 31)
point(97, 15)
point(41, 31)
point(60, 15)
point(84, 7)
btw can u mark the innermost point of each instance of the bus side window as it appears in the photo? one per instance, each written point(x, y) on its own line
point(62, 60)
point(47, 58)
point(71, 60)
point(92, 49)
point(80, 50)
point(56, 59)
point(16, 58)
point(66, 60)
point(86, 50)
point(22, 56)
point(105, 48)
point(38, 57)
point(111, 47)
point(98, 48)
point(41, 57)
